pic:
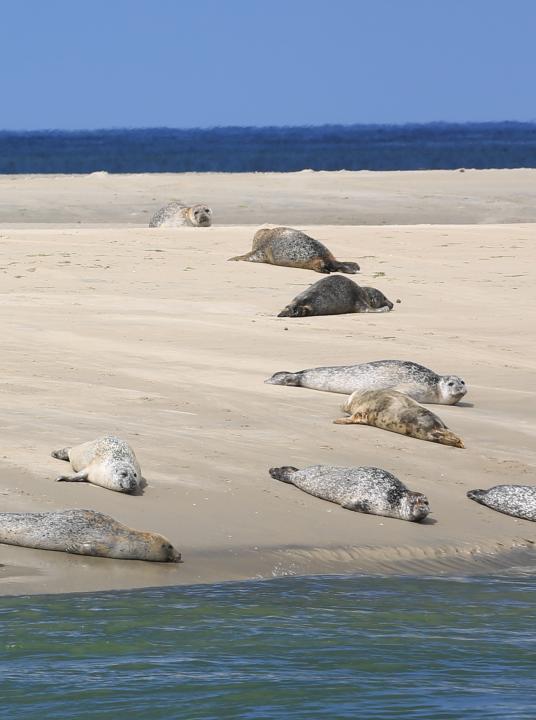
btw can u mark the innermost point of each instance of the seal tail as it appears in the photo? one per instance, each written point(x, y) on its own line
point(447, 437)
point(345, 267)
point(251, 256)
point(62, 454)
point(283, 473)
point(476, 495)
point(285, 378)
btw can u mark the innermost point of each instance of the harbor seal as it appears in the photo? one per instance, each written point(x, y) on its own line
point(516, 500)
point(362, 489)
point(108, 462)
point(414, 380)
point(176, 214)
point(335, 295)
point(394, 411)
point(293, 248)
point(84, 532)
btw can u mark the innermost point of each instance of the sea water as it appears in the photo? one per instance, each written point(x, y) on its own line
point(272, 149)
point(353, 647)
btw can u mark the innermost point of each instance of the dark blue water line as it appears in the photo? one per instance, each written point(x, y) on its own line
point(271, 149)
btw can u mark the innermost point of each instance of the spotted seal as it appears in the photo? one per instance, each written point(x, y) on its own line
point(362, 489)
point(516, 500)
point(107, 461)
point(335, 295)
point(414, 380)
point(84, 532)
point(293, 248)
point(392, 410)
point(176, 214)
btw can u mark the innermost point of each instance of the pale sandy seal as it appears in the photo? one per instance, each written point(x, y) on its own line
point(293, 248)
point(84, 532)
point(176, 214)
point(516, 500)
point(412, 379)
point(363, 489)
point(107, 461)
point(392, 410)
point(335, 295)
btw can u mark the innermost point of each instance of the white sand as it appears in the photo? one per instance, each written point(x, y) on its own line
point(152, 335)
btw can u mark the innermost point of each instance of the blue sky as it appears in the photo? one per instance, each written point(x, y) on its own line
point(199, 63)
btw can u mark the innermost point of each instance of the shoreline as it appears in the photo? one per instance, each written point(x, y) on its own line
point(152, 335)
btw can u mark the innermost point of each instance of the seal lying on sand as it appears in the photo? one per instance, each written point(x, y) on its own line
point(516, 500)
point(176, 214)
point(412, 379)
point(335, 295)
point(391, 410)
point(107, 461)
point(84, 532)
point(293, 248)
point(363, 489)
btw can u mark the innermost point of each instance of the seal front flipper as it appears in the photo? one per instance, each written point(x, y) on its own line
point(62, 454)
point(81, 476)
point(352, 420)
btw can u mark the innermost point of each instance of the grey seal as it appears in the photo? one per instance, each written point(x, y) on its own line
point(293, 248)
point(84, 532)
point(412, 379)
point(335, 295)
point(516, 500)
point(362, 489)
point(394, 411)
point(108, 462)
point(176, 214)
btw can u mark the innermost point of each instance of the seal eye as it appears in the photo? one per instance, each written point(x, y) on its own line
point(450, 384)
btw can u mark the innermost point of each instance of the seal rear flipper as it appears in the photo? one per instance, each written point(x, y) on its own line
point(283, 473)
point(350, 268)
point(81, 476)
point(251, 256)
point(446, 437)
point(285, 378)
point(62, 454)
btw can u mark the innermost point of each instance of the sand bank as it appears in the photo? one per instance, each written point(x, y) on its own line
point(307, 197)
point(152, 335)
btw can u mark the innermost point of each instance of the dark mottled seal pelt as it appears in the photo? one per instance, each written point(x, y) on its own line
point(363, 489)
point(84, 532)
point(394, 411)
point(177, 214)
point(293, 248)
point(335, 295)
point(516, 500)
point(412, 379)
point(108, 462)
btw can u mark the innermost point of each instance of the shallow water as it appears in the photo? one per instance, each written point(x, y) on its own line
point(289, 648)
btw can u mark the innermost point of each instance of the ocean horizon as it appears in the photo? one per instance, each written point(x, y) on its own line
point(430, 146)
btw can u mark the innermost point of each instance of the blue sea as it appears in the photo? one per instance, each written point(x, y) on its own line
point(275, 149)
point(353, 647)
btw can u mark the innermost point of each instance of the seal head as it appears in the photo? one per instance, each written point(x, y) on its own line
point(450, 389)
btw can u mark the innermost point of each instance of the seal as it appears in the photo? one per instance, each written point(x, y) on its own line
point(392, 410)
point(176, 214)
point(108, 462)
point(84, 532)
point(414, 380)
point(516, 500)
point(335, 295)
point(362, 489)
point(293, 248)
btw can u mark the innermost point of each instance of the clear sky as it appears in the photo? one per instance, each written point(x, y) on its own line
point(199, 63)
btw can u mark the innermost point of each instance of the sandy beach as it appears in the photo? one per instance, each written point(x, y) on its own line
point(109, 326)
